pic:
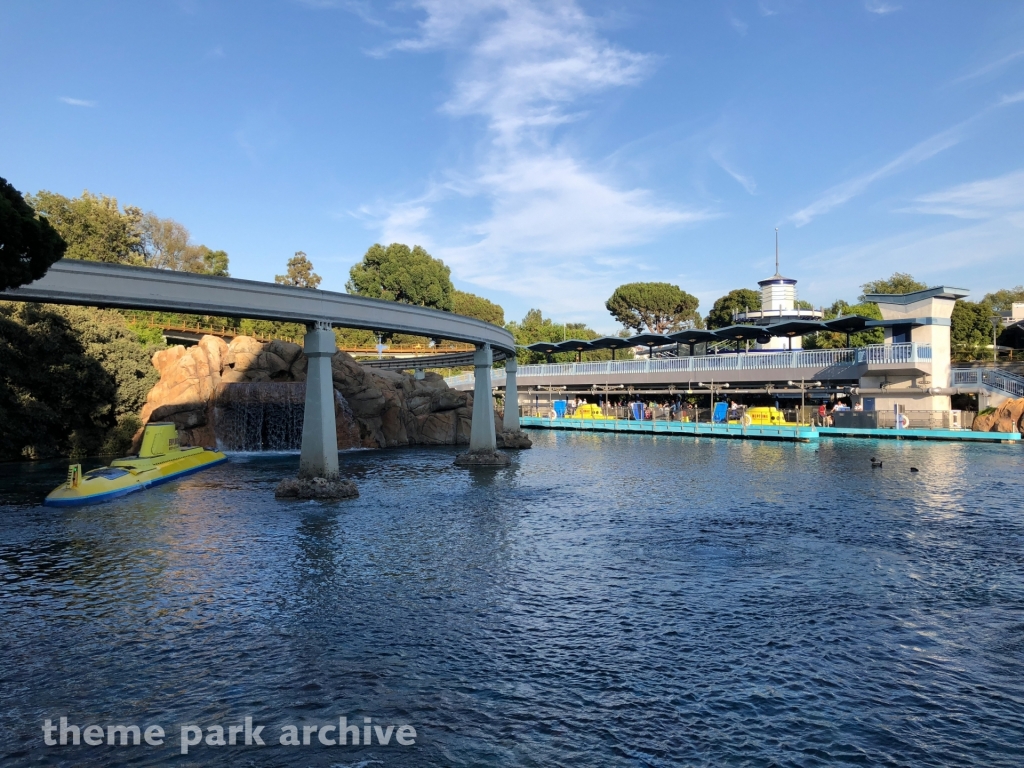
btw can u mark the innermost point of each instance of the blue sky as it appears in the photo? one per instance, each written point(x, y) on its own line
point(547, 151)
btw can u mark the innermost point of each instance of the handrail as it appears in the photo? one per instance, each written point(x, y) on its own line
point(875, 354)
point(993, 378)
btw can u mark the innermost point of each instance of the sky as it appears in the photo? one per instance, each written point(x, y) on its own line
point(546, 151)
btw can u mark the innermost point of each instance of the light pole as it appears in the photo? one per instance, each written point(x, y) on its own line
point(996, 321)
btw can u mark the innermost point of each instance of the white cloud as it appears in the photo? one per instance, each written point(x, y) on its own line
point(843, 192)
point(745, 181)
point(78, 102)
point(549, 220)
point(737, 23)
point(880, 7)
point(991, 66)
point(982, 199)
point(1011, 98)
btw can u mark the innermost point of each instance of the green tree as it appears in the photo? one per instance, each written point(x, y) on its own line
point(739, 300)
point(835, 340)
point(535, 327)
point(168, 245)
point(1003, 300)
point(658, 307)
point(94, 227)
point(28, 244)
point(970, 334)
point(471, 305)
point(900, 282)
point(72, 380)
point(300, 272)
point(397, 273)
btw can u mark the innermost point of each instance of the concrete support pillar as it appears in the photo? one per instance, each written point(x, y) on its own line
point(319, 456)
point(481, 435)
point(511, 421)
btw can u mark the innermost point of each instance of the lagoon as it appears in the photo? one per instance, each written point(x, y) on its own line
point(608, 599)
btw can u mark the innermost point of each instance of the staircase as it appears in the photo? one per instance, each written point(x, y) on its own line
point(995, 379)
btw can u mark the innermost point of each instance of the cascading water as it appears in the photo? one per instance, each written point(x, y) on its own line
point(264, 416)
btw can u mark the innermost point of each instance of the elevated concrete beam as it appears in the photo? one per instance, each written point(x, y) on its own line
point(93, 283)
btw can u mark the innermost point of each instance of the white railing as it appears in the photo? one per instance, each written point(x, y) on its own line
point(990, 377)
point(818, 359)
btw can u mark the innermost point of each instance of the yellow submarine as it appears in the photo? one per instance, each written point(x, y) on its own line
point(160, 459)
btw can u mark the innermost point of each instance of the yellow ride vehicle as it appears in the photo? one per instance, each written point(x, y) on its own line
point(589, 411)
point(764, 417)
point(160, 459)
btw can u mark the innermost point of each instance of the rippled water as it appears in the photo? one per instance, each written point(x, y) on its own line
point(606, 600)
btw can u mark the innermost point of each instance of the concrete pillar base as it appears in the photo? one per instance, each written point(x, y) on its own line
point(482, 459)
point(319, 457)
point(516, 440)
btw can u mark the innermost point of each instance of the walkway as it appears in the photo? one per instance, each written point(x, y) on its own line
point(827, 365)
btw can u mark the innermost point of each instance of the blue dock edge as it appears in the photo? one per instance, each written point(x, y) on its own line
point(803, 434)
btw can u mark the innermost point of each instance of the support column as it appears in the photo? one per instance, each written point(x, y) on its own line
point(481, 435)
point(511, 421)
point(319, 456)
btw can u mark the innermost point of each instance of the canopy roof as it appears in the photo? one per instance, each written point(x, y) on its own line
point(693, 336)
point(740, 332)
point(610, 342)
point(847, 323)
point(793, 328)
point(544, 347)
point(573, 345)
point(649, 340)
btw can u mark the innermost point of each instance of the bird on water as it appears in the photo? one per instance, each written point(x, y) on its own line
point(914, 469)
point(875, 462)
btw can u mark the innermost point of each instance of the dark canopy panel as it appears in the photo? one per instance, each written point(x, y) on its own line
point(847, 323)
point(793, 328)
point(693, 336)
point(739, 332)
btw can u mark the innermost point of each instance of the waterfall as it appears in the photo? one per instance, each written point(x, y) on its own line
point(264, 416)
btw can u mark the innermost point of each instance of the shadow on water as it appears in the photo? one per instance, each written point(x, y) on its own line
point(604, 600)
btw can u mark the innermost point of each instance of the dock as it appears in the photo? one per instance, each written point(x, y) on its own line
point(785, 433)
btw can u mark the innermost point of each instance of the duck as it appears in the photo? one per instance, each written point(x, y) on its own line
point(914, 469)
point(875, 462)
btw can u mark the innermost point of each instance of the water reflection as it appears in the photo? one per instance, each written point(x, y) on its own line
point(604, 600)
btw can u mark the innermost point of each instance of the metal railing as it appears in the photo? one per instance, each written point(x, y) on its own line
point(993, 378)
point(818, 359)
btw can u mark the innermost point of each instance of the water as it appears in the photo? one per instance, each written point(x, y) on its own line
point(606, 600)
point(257, 417)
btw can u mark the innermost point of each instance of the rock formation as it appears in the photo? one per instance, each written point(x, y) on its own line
point(374, 408)
point(1008, 417)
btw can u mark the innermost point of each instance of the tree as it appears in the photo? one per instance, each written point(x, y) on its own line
point(971, 329)
point(835, 340)
point(470, 305)
point(535, 327)
point(72, 380)
point(658, 307)
point(28, 244)
point(168, 245)
point(300, 272)
point(1003, 300)
point(94, 226)
point(739, 300)
point(900, 282)
point(397, 273)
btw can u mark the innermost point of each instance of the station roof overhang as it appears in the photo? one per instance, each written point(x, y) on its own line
point(740, 332)
point(938, 292)
point(848, 323)
point(792, 328)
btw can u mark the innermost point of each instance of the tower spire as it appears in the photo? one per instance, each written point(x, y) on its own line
point(776, 250)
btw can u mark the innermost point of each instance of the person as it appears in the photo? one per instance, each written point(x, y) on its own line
point(859, 405)
point(821, 415)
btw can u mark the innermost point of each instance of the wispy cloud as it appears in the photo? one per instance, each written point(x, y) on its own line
point(841, 193)
point(981, 199)
point(737, 23)
point(991, 66)
point(745, 181)
point(880, 7)
point(529, 68)
point(1012, 98)
point(78, 102)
